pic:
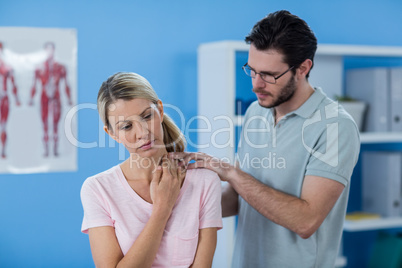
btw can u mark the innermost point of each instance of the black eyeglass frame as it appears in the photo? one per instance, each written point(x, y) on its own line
point(264, 74)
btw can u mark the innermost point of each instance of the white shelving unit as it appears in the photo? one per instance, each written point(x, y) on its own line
point(380, 223)
point(372, 224)
point(216, 108)
point(380, 137)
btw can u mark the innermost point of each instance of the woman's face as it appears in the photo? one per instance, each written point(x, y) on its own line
point(137, 124)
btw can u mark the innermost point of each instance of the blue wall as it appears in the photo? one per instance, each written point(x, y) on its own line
point(41, 213)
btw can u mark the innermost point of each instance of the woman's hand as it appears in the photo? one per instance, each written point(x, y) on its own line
point(166, 183)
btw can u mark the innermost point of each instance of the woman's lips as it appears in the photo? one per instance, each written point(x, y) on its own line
point(146, 146)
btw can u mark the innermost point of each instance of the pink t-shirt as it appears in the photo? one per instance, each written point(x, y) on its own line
point(108, 200)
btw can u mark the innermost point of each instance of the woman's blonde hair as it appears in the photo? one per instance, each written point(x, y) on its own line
point(128, 86)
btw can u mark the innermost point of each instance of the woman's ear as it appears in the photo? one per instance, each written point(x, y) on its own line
point(160, 109)
point(305, 67)
point(111, 133)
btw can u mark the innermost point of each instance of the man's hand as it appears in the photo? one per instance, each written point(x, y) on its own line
point(202, 160)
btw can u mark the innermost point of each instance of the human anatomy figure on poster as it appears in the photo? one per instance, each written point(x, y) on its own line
point(6, 78)
point(49, 75)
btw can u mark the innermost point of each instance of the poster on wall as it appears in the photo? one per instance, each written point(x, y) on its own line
point(38, 88)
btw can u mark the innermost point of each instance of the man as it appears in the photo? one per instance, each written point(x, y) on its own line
point(295, 157)
point(50, 74)
point(6, 75)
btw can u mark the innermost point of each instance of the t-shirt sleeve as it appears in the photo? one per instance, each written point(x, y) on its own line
point(96, 211)
point(211, 210)
point(336, 152)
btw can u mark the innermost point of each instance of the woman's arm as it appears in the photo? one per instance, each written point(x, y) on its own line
point(164, 190)
point(106, 251)
point(206, 248)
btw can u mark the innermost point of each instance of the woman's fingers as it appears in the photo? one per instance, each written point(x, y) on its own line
point(198, 164)
point(156, 177)
point(185, 158)
point(181, 174)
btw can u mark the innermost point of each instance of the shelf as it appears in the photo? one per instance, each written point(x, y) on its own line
point(372, 224)
point(340, 261)
point(322, 49)
point(380, 137)
point(238, 120)
point(365, 137)
point(358, 50)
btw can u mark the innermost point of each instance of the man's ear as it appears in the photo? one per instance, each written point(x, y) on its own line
point(111, 133)
point(305, 67)
point(160, 108)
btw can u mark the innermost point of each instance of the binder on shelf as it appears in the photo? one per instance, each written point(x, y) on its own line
point(361, 215)
point(382, 183)
point(396, 99)
point(371, 85)
point(381, 89)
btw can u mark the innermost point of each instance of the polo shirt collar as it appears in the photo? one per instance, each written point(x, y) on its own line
point(310, 106)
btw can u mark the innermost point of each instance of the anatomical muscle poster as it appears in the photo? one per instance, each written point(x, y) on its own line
point(38, 89)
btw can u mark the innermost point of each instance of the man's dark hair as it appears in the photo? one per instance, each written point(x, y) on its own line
point(286, 33)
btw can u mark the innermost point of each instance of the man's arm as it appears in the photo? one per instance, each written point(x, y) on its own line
point(301, 215)
point(206, 248)
point(230, 201)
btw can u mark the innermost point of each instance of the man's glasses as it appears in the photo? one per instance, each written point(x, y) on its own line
point(264, 76)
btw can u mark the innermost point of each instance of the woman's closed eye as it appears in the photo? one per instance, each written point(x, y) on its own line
point(126, 126)
point(147, 116)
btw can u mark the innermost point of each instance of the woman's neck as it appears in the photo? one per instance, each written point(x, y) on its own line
point(141, 168)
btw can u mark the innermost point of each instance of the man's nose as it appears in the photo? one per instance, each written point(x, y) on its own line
point(258, 82)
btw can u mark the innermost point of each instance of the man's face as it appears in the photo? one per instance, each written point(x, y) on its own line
point(271, 62)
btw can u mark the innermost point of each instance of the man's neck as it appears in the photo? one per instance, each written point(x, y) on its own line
point(301, 95)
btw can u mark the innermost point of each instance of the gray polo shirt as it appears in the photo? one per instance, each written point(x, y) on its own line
point(321, 139)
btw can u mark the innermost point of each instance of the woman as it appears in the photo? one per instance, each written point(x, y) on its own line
point(148, 211)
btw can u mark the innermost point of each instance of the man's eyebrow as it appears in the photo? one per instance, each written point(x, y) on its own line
point(142, 114)
point(263, 72)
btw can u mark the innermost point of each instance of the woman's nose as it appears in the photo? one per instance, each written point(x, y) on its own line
point(142, 130)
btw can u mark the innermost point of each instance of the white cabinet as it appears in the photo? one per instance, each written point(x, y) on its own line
point(217, 120)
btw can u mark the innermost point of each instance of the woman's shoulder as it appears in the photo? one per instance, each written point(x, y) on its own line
point(105, 177)
point(202, 175)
